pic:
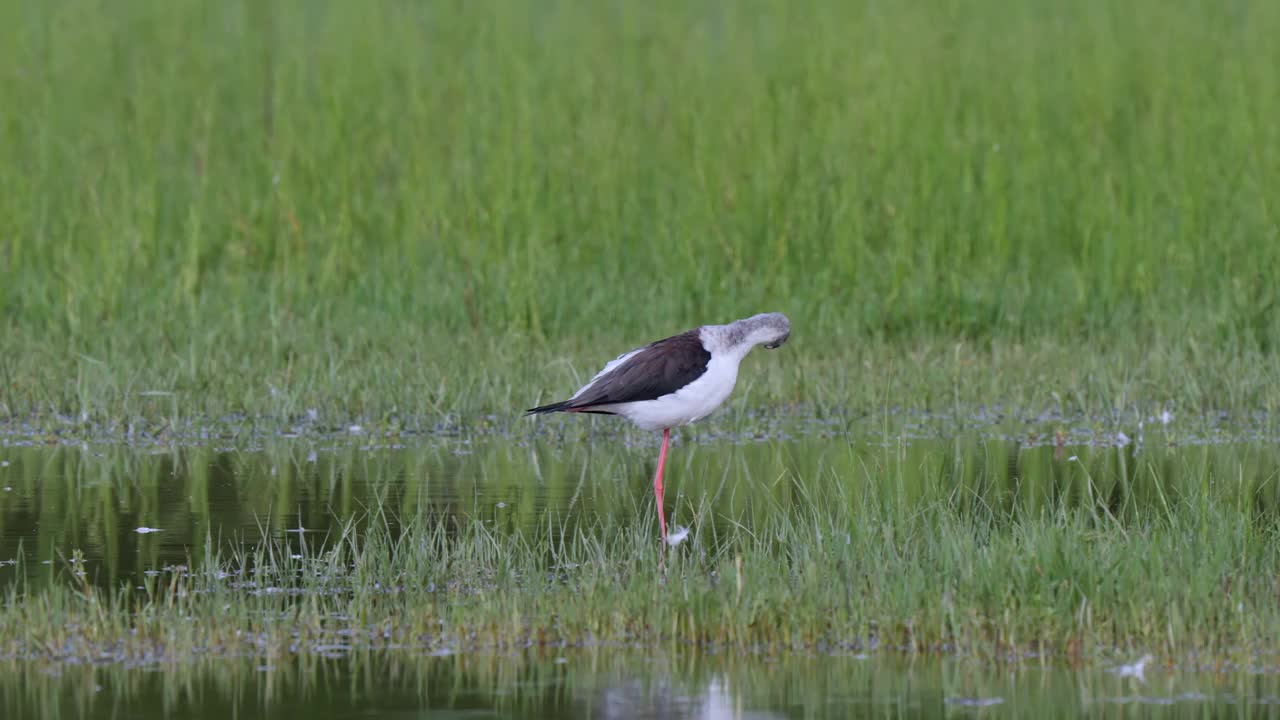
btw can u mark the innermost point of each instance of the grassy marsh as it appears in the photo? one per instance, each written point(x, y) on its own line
point(1071, 584)
point(232, 232)
point(987, 548)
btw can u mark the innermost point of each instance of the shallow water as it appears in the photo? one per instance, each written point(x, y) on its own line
point(129, 504)
point(126, 506)
point(628, 684)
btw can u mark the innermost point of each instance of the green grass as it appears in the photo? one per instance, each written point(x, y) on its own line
point(419, 382)
point(264, 207)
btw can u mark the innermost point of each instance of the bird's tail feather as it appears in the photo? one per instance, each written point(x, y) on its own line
point(553, 407)
point(566, 406)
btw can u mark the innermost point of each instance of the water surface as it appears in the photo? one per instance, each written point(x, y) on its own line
point(131, 505)
point(628, 684)
point(113, 510)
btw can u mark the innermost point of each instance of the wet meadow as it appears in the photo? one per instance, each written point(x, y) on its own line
point(277, 280)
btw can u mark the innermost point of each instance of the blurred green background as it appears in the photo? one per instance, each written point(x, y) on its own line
point(430, 205)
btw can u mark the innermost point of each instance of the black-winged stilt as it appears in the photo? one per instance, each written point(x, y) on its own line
point(675, 381)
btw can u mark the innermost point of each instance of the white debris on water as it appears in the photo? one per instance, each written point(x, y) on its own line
point(1121, 438)
point(311, 456)
point(1134, 669)
point(502, 505)
point(355, 430)
point(974, 702)
point(677, 535)
point(144, 530)
point(1166, 417)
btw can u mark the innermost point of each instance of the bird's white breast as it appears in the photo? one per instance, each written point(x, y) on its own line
point(690, 403)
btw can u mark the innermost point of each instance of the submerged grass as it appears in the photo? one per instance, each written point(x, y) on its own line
point(837, 570)
point(269, 207)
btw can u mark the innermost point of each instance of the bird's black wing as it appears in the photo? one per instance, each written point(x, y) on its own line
point(660, 368)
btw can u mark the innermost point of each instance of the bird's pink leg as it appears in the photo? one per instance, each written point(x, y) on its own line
point(657, 481)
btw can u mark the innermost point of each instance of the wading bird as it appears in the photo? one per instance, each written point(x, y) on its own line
point(674, 381)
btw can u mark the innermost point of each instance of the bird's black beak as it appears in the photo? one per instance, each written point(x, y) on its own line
point(777, 343)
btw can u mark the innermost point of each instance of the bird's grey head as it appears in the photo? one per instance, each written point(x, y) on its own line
point(768, 329)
